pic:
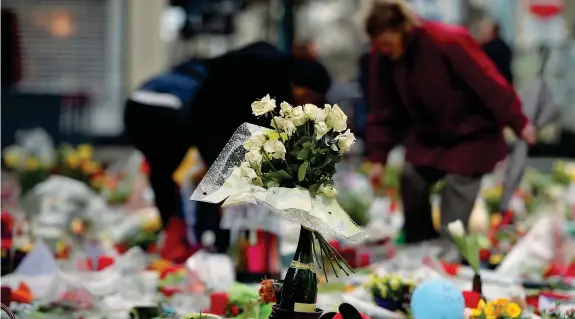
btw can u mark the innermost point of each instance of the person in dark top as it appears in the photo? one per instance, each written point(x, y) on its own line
point(433, 87)
point(496, 48)
point(201, 103)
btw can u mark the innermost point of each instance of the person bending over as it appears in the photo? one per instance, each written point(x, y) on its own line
point(201, 103)
point(433, 86)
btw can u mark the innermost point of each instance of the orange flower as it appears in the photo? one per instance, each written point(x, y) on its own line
point(266, 291)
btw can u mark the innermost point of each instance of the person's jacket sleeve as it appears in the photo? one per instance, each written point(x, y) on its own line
point(385, 122)
point(472, 66)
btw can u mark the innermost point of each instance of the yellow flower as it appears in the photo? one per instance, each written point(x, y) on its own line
point(12, 159)
point(32, 164)
point(495, 259)
point(72, 160)
point(502, 302)
point(153, 225)
point(27, 248)
point(394, 283)
point(382, 290)
point(476, 312)
point(97, 181)
point(85, 151)
point(90, 167)
point(489, 309)
point(513, 310)
point(77, 227)
point(481, 304)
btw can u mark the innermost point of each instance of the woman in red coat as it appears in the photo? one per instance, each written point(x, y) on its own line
point(432, 86)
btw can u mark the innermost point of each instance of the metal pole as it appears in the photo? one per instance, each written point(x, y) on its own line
point(287, 29)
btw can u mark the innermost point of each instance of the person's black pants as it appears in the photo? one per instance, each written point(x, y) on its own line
point(457, 200)
point(162, 136)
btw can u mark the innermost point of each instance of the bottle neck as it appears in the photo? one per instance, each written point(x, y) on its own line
point(304, 249)
point(477, 284)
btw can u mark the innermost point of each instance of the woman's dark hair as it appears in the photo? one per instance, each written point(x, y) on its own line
point(386, 15)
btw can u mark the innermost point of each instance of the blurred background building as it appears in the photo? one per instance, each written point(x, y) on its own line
point(67, 65)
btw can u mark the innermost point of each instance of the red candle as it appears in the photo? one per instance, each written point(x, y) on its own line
point(255, 259)
point(335, 245)
point(364, 260)
point(218, 303)
point(103, 262)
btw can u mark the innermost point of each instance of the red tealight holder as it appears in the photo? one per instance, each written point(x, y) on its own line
point(364, 260)
point(103, 262)
point(484, 254)
point(556, 270)
point(335, 244)
point(218, 303)
point(170, 291)
point(471, 299)
point(363, 316)
point(450, 269)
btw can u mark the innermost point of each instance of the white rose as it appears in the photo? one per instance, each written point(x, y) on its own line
point(320, 129)
point(298, 116)
point(247, 172)
point(456, 228)
point(255, 142)
point(275, 148)
point(263, 106)
point(286, 110)
point(336, 119)
point(283, 124)
point(345, 141)
point(254, 158)
point(327, 190)
point(314, 113)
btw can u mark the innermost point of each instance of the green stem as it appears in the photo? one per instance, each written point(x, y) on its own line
point(270, 162)
point(134, 313)
point(277, 128)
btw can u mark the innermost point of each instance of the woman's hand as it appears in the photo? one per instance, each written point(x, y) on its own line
point(376, 175)
point(528, 134)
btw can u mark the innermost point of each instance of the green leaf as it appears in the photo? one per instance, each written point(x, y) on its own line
point(473, 252)
point(303, 154)
point(308, 144)
point(313, 189)
point(284, 173)
point(272, 183)
point(302, 171)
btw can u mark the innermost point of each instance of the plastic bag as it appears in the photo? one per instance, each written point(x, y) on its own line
point(54, 204)
point(37, 143)
point(215, 271)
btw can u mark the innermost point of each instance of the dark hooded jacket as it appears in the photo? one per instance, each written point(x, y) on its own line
point(238, 78)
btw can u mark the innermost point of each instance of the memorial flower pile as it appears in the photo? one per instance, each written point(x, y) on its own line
point(77, 163)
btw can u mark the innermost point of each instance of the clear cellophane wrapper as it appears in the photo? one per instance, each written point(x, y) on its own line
point(223, 183)
point(537, 249)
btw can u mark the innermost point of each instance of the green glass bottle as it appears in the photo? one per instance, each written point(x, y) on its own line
point(299, 291)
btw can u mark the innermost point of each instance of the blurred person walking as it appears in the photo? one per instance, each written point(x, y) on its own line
point(201, 103)
point(496, 48)
point(432, 85)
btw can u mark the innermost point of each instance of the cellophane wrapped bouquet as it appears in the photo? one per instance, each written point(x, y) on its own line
point(289, 169)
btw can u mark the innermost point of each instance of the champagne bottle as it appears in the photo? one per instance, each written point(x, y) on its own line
point(299, 292)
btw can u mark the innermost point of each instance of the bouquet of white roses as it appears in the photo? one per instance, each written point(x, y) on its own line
point(288, 169)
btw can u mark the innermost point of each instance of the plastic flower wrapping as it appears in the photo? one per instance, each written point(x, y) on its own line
point(288, 169)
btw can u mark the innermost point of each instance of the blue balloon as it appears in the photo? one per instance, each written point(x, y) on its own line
point(437, 299)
